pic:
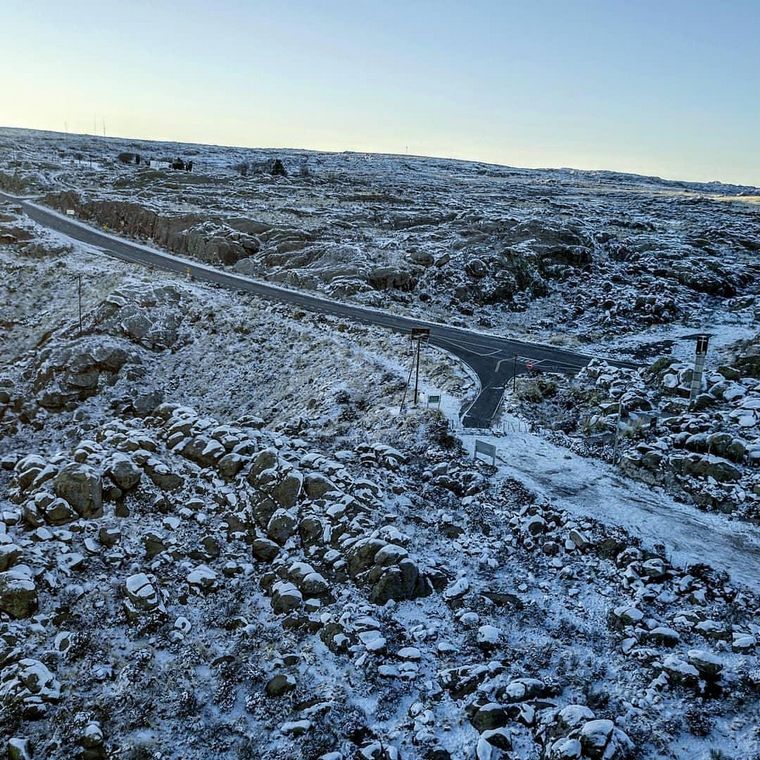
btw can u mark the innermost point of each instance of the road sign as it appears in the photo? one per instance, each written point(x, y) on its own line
point(434, 400)
point(485, 448)
point(70, 212)
point(420, 333)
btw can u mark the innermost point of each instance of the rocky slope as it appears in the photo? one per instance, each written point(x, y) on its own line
point(707, 453)
point(218, 538)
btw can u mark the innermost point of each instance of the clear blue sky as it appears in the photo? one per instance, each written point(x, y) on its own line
point(668, 87)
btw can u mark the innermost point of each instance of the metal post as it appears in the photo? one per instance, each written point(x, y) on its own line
point(79, 293)
point(417, 372)
point(419, 334)
point(408, 380)
point(699, 366)
point(514, 375)
point(617, 432)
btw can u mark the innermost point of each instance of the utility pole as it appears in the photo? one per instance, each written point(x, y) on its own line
point(514, 374)
point(79, 293)
point(699, 367)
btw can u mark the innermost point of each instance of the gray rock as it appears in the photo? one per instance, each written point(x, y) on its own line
point(490, 716)
point(280, 685)
point(59, 512)
point(565, 749)
point(601, 740)
point(124, 472)
point(287, 491)
point(31, 682)
point(18, 592)
point(706, 663)
point(10, 554)
point(80, 486)
point(285, 597)
point(142, 595)
point(665, 636)
point(281, 526)
point(162, 476)
point(265, 550)
point(19, 749)
point(230, 465)
point(399, 582)
point(317, 485)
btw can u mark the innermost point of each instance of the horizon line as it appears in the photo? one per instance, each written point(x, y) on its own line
point(395, 155)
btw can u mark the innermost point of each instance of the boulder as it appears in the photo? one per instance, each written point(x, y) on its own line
point(9, 556)
point(80, 486)
point(705, 662)
point(202, 578)
point(317, 485)
point(285, 597)
point(124, 472)
point(19, 749)
point(142, 595)
point(287, 491)
point(602, 740)
point(565, 749)
point(281, 526)
point(399, 582)
point(18, 592)
point(31, 682)
point(230, 465)
point(280, 685)
point(490, 716)
point(162, 476)
point(59, 512)
point(265, 550)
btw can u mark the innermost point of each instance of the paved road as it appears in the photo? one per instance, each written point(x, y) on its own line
point(493, 358)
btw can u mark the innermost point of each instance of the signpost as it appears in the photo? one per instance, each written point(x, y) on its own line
point(617, 431)
point(419, 334)
point(485, 448)
point(79, 295)
point(699, 367)
point(434, 400)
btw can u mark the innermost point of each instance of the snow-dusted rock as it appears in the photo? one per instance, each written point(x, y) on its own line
point(18, 592)
point(285, 597)
point(80, 486)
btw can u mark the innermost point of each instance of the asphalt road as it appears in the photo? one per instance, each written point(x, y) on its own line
point(494, 358)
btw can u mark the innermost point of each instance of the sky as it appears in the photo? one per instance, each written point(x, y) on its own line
point(665, 87)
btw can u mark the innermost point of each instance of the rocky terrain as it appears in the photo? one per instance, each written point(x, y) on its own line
point(707, 452)
point(220, 538)
point(599, 253)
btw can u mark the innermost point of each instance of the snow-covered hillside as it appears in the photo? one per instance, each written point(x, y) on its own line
point(574, 257)
point(220, 537)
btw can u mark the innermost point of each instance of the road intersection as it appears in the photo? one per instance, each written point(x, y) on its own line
point(493, 358)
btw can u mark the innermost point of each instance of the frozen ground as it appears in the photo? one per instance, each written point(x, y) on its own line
point(595, 489)
point(590, 259)
point(219, 538)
